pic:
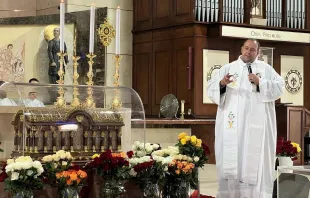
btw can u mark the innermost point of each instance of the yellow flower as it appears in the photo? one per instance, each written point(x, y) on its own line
point(182, 135)
point(187, 138)
point(183, 141)
point(193, 140)
point(296, 146)
point(95, 155)
point(199, 142)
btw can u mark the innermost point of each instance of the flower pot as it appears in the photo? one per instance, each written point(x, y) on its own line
point(69, 192)
point(285, 161)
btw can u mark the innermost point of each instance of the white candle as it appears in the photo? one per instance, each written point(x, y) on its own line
point(182, 106)
point(62, 26)
point(118, 27)
point(92, 29)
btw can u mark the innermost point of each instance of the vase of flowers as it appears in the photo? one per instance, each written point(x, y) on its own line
point(287, 152)
point(148, 174)
point(113, 169)
point(178, 177)
point(193, 147)
point(23, 177)
point(56, 163)
point(68, 182)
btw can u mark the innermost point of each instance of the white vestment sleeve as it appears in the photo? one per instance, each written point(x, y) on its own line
point(213, 88)
point(271, 88)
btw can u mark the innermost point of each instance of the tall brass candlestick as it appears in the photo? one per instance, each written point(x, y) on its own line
point(116, 103)
point(60, 103)
point(76, 101)
point(90, 100)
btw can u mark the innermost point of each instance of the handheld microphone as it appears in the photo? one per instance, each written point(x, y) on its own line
point(249, 68)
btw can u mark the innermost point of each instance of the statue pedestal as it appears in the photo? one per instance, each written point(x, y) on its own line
point(257, 21)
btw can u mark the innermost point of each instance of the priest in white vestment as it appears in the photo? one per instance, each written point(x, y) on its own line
point(245, 130)
point(32, 100)
point(4, 101)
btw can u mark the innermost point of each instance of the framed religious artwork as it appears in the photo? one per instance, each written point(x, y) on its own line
point(213, 60)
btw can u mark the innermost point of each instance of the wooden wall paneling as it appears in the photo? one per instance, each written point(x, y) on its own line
point(200, 109)
point(247, 11)
point(142, 68)
point(161, 73)
point(182, 11)
point(295, 129)
point(307, 3)
point(306, 79)
point(180, 70)
point(207, 134)
point(142, 14)
point(284, 13)
point(161, 12)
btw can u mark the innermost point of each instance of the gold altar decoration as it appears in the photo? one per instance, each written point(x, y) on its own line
point(44, 132)
point(106, 32)
point(90, 103)
point(60, 103)
point(75, 102)
point(116, 102)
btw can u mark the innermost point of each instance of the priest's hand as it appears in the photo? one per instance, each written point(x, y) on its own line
point(254, 79)
point(226, 80)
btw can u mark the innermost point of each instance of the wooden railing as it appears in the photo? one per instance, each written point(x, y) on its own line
point(279, 13)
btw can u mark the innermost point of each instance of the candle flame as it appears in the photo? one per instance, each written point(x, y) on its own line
point(61, 1)
point(93, 4)
point(118, 7)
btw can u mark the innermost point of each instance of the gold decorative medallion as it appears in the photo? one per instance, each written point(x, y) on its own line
point(106, 32)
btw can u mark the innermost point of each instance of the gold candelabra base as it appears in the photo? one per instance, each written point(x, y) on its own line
point(90, 103)
point(60, 102)
point(116, 102)
point(76, 100)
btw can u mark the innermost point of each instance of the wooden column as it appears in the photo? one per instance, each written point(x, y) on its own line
point(247, 11)
point(307, 3)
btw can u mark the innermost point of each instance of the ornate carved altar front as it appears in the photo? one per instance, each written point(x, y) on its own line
point(81, 131)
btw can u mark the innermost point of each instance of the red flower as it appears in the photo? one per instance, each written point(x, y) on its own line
point(3, 176)
point(130, 154)
point(206, 149)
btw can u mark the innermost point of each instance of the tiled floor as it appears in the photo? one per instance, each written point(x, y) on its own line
point(208, 181)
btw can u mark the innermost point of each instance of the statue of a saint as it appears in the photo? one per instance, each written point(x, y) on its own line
point(53, 49)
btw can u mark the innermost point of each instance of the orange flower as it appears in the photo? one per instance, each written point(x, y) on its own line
point(73, 176)
point(82, 174)
point(69, 182)
point(177, 172)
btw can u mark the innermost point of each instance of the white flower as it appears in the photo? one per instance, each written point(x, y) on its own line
point(148, 149)
point(155, 146)
point(64, 163)
point(9, 161)
point(166, 168)
point(17, 166)
point(56, 158)
point(184, 157)
point(29, 172)
point(140, 153)
point(55, 165)
point(68, 154)
point(132, 172)
point(24, 159)
point(14, 176)
point(37, 164)
point(63, 156)
point(9, 168)
point(196, 159)
point(40, 171)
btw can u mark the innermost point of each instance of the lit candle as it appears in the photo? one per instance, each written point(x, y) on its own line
point(62, 26)
point(118, 27)
point(92, 29)
point(182, 106)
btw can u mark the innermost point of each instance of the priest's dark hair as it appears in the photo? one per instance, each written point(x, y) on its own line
point(1, 82)
point(33, 80)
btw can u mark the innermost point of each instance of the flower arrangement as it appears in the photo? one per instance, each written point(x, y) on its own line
point(286, 148)
point(194, 148)
point(71, 178)
point(111, 164)
point(61, 161)
point(148, 172)
point(23, 175)
point(142, 149)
